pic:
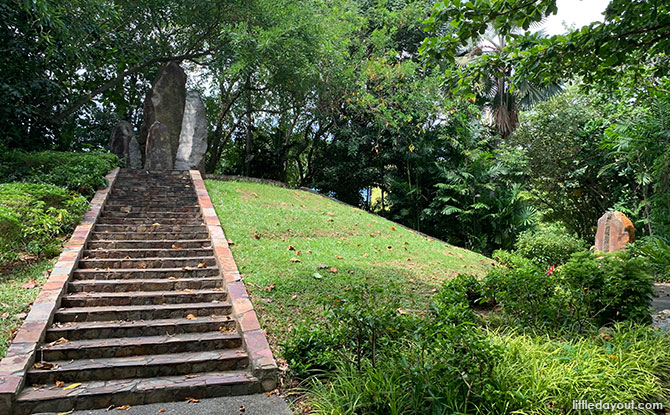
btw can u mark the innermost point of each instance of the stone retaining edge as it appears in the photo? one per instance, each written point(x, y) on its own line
point(263, 364)
point(21, 353)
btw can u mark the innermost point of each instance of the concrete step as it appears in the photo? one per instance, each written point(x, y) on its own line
point(138, 346)
point(148, 273)
point(146, 236)
point(149, 214)
point(138, 391)
point(175, 244)
point(100, 299)
point(147, 253)
point(151, 209)
point(147, 263)
point(141, 312)
point(162, 284)
point(152, 227)
point(149, 221)
point(148, 204)
point(111, 329)
point(141, 366)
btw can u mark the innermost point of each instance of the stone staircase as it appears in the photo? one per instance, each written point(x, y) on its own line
point(146, 317)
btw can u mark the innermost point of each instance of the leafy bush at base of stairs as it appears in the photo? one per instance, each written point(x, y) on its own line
point(33, 217)
point(83, 173)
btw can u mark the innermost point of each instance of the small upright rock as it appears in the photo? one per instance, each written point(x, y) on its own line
point(615, 230)
point(165, 103)
point(193, 137)
point(158, 154)
point(119, 140)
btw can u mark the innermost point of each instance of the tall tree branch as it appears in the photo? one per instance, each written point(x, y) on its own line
point(84, 99)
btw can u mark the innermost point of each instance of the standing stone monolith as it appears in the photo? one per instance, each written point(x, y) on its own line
point(165, 103)
point(193, 137)
point(134, 154)
point(615, 230)
point(119, 140)
point(158, 155)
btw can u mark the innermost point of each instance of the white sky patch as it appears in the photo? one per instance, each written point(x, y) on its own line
point(574, 13)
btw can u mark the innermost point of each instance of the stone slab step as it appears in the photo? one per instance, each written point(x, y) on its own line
point(139, 366)
point(139, 391)
point(175, 244)
point(147, 253)
point(164, 284)
point(176, 195)
point(141, 312)
point(111, 329)
point(146, 236)
point(152, 209)
point(147, 263)
point(148, 273)
point(99, 299)
point(148, 204)
point(149, 221)
point(138, 346)
point(151, 227)
point(149, 214)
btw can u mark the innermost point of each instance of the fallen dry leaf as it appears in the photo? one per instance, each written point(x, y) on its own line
point(269, 288)
point(45, 366)
point(190, 317)
point(173, 278)
point(330, 214)
point(201, 265)
point(257, 236)
point(60, 384)
point(74, 385)
point(333, 270)
point(161, 410)
point(230, 242)
point(175, 246)
point(30, 284)
point(66, 413)
point(123, 407)
point(294, 259)
point(338, 256)
point(401, 311)
point(192, 400)
point(291, 248)
point(5, 315)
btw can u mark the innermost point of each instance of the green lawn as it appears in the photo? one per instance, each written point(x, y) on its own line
point(287, 241)
point(18, 289)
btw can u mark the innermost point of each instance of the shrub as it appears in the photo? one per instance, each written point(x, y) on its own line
point(356, 326)
point(528, 296)
point(657, 251)
point(438, 363)
point(79, 172)
point(608, 288)
point(33, 216)
point(510, 259)
point(547, 247)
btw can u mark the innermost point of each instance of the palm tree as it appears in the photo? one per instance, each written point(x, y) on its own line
point(496, 93)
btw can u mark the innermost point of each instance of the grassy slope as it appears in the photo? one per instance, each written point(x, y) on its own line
point(16, 297)
point(372, 250)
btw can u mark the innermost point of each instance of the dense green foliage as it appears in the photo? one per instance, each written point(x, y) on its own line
point(82, 173)
point(33, 216)
point(43, 196)
point(366, 357)
point(548, 246)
